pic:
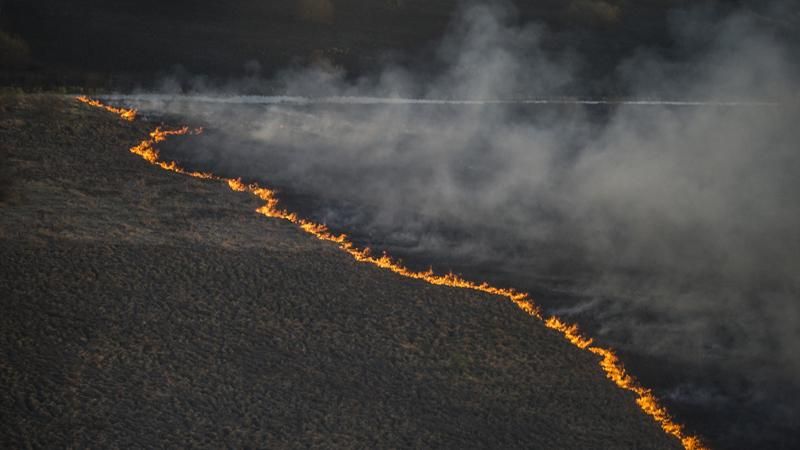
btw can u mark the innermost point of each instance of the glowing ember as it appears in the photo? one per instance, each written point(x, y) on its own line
point(610, 363)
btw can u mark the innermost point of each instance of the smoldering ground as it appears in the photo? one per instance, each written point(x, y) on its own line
point(671, 232)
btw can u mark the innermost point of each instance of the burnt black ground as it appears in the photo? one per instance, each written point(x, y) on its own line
point(145, 308)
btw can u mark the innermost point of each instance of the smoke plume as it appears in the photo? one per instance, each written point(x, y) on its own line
point(672, 229)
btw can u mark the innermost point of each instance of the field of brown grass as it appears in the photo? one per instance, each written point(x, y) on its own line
point(142, 308)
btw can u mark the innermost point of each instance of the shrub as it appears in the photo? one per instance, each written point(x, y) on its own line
point(14, 52)
point(319, 11)
point(5, 176)
point(595, 12)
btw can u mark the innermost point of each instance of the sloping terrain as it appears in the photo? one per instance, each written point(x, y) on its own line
point(145, 308)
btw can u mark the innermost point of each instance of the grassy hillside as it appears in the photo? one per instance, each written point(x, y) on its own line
point(143, 308)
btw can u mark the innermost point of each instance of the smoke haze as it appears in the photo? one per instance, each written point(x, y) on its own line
point(671, 232)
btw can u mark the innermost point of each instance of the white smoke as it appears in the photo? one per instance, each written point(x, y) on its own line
point(685, 208)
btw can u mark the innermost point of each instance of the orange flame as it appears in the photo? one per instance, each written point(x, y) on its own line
point(616, 372)
point(149, 153)
point(610, 363)
point(127, 114)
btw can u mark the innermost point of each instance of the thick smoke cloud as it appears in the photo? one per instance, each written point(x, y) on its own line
point(688, 214)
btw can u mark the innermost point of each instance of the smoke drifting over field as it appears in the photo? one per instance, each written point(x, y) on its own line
point(677, 228)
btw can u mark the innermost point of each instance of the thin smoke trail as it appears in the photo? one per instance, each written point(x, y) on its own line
point(368, 100)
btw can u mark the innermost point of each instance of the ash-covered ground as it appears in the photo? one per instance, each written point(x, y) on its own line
point(146, 308)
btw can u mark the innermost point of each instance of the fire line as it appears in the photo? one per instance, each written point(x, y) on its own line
point(609, 361)
point(126, 114)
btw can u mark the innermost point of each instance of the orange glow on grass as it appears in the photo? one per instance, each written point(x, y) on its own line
point(609, 362)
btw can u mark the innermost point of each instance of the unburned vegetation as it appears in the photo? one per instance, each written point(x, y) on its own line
point(145, 308)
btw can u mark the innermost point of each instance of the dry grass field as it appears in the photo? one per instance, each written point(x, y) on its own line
point(141, 308)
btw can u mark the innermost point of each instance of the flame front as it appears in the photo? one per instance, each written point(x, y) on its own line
point(609, 362)
point(616, 372)
point(126, 114)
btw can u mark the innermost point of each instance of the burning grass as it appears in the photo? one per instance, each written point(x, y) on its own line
point(125, 114)
point(609, 361)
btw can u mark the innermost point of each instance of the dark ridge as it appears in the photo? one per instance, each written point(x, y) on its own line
point(123, 44)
